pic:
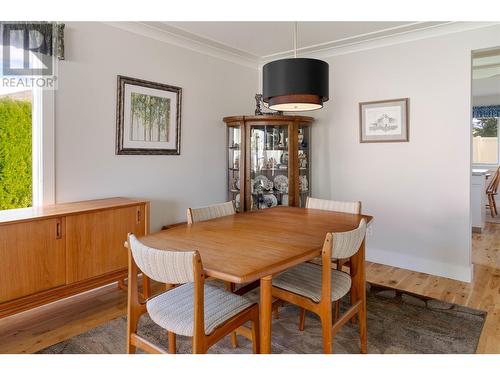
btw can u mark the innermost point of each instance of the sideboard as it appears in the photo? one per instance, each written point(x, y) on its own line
point(52, 252)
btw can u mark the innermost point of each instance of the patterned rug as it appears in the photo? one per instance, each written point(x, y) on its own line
point(397, 323)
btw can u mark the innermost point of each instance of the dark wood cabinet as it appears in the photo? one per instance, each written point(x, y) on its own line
point(268, 161)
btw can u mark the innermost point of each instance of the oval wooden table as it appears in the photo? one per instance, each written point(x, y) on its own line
point(256, 245)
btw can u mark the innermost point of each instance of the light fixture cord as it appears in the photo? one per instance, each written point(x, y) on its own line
point(295, 39)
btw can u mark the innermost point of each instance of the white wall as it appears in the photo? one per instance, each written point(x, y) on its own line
point(86, 164)
point(418, 192)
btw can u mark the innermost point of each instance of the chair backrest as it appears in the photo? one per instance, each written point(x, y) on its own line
point(210, 212)
point(493, 186)
point(339, 206)
point(346, 244)
point(166, 266)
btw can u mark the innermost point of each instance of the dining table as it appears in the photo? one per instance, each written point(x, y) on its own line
point(254, 246)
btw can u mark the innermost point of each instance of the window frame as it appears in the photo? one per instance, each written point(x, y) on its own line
point(43, 147)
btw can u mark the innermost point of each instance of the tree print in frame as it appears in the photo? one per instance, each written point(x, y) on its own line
point(148, 118)
point(384, 121)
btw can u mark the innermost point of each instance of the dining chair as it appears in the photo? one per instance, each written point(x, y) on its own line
point(316, 287)
point(338, 206)
point(210, 212)
point(195, 309)
point(491, 192)
point(214, 211)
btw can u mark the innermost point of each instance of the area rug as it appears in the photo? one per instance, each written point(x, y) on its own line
point(397, 323)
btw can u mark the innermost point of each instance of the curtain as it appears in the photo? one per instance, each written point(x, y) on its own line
point(47, 37)
point(486, 111)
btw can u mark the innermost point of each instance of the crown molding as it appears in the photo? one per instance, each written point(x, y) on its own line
point(382, 38)
point(162, 34)
point(360, 38)
point(352, 45)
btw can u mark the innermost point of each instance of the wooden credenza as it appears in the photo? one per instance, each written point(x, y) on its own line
point(49, 253)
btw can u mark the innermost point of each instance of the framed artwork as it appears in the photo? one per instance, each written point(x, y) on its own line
point(148, 118)
point(384, 121)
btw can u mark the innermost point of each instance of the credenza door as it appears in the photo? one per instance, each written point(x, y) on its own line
point(32, 257)
point(94, 241)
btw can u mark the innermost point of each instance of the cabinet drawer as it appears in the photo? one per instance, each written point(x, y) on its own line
point(94, 241)
point(32, 257)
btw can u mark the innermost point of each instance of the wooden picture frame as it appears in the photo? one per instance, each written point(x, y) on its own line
point(384, 121)
point(148, 118)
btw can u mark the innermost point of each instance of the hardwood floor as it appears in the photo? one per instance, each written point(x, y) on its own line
point(486, 246)
point(33, 330)
point(482, 293)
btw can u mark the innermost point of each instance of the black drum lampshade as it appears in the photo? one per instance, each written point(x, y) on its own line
point(295, 84)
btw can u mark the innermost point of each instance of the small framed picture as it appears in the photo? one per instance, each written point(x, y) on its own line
point(148, 118)
point(384, 121)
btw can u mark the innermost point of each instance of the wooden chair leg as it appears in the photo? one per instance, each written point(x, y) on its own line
point(132, 321)
point(362, 329)
point(302, 319)
point(255, 333)
point(490, 204)
point(172, 347)
point(234, 340)
point(352, 300)
point(146, 287)
point(326, 327)
point(134, 310)
point(276, 310)
point(199, 346)
point(336, 310)
point(494, 204)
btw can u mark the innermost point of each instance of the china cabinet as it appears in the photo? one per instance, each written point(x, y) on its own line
point(268, 161)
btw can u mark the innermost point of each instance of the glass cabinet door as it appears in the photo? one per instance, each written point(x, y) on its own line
point(269, 166)
point(234, 162)
point(304, 163)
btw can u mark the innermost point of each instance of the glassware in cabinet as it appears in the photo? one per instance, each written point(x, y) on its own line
point(269, 165)
point(234, 170)
point(304, 163)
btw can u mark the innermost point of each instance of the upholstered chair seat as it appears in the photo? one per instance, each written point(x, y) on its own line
point(305, 280)
point(174, 309)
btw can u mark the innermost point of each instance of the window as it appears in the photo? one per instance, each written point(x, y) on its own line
point(485, 140)
point(16, 166)
point(27, 111)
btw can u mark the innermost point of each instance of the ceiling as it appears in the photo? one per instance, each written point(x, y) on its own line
point(486, 73)
point(261, 40)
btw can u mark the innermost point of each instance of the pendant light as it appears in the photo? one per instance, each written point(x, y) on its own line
point(296, 84)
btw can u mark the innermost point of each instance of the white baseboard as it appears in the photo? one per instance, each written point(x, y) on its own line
point(390, 258)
